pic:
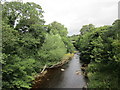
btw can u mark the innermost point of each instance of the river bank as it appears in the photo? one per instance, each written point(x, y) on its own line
point(68, 75)
point(40, 78)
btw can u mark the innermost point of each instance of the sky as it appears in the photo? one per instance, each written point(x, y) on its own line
point(73, 14)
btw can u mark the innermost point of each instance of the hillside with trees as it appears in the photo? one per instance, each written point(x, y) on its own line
point(28, 44)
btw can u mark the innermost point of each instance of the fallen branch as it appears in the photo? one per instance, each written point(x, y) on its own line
point(43, 68)
point(61, 63)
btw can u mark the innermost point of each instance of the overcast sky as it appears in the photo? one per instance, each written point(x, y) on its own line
point(76, 13)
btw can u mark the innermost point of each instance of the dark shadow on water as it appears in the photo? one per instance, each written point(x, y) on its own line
point(69, 77)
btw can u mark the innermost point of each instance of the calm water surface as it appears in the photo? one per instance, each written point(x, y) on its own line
point(71, 77)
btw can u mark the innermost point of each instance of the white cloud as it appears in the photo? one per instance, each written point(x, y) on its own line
point(75, 13)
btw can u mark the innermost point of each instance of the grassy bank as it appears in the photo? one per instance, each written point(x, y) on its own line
point(64, 60)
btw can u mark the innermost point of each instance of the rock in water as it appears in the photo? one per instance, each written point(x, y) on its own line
point(48, 79)
point(62, 69)
point(78, 72)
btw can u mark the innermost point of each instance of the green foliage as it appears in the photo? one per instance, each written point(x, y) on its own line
point(20, 62)
point(52, 50)
point(74, 39)
point(86, 28)
point(28, 45)
point(100, 48)
point(68, 44)
point(57, 28)
point(22, 15)
point(16, 70)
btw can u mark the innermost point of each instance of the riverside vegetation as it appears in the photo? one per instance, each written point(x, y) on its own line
point(29, 45)
point(99, 47)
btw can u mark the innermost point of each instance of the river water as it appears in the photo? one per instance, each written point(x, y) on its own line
point(67, 76)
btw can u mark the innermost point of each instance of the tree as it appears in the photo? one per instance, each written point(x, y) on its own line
point(86, 28)
point(15, 69)
point(23, 34)
point(52, 50)
point(57, 28)
point(27, 44)
point(22, 15)
point(99, 48)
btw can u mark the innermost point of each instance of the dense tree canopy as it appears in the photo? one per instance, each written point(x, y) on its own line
point(53, 49)
point(86, 28)
point(100, 48)
point(22, 15)
point(57, 28)
point(28, 44)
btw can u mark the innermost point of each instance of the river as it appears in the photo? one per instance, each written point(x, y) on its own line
point(67, 76)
